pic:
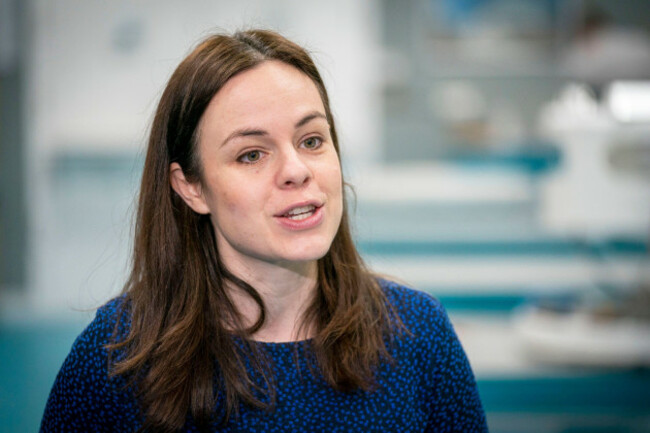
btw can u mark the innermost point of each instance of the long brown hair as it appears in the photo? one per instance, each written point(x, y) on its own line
point(177, 306)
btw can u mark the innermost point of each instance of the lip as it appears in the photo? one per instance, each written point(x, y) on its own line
point(311, 221)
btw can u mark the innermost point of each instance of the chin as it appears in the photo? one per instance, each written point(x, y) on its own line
point(310, 252)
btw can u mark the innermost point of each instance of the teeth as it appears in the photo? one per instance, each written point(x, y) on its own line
point(302, 216)
point(300, 213)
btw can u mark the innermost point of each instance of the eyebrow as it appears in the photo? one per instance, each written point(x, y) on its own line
point(247, 132)
point(309, 117)
point(244, 132)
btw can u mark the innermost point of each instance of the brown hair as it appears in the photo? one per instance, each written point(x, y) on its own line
point(179, 312)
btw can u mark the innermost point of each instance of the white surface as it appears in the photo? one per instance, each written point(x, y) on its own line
point(581, 338)
point(491, 347)
point(430, 182)
point(511, 273)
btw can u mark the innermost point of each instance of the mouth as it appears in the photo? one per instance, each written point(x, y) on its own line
point(302, 216)
point(300, 213)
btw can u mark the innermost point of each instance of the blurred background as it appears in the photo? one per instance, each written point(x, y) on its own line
point(499, 152)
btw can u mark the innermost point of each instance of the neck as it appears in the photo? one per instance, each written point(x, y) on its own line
point(287, 289)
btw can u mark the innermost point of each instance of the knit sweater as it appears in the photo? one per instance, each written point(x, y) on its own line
point(428, 387)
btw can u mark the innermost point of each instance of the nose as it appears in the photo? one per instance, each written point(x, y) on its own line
point(293, 170)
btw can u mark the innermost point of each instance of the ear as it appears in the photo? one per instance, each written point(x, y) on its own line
point(190, 192)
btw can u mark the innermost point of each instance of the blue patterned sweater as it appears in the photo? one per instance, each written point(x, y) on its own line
point(429, 387)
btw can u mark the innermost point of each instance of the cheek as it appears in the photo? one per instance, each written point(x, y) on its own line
point(334, 178)
point(241, 197)
point(234, 205)
point(232, 216)
point(228, 199)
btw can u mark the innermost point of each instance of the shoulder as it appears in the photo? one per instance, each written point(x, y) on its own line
point(423, 317)
point(89, 349)
point(415, 308)
point(83, 393)
point(432, 347)
point(401, 294)
point(114, 312)
point(100, 331)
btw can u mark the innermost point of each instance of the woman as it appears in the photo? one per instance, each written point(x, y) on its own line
point(248, 307)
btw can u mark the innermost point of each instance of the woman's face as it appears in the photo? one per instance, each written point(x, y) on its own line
point(271, 176)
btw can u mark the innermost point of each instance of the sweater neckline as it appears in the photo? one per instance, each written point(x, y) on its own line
point(276, 345)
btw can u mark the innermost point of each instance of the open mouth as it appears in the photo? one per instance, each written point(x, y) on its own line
point(300, 213)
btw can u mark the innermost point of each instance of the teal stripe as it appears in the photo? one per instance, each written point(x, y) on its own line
point(535, 157)
point(66, 164)
point(485, 303)
point(626, 392)
point(485, 299)
point(551, 247)
point(30, 357)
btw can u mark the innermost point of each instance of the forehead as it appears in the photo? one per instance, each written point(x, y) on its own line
point(263, 96)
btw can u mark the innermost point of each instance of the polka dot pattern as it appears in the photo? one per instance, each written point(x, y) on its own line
point(429, 387)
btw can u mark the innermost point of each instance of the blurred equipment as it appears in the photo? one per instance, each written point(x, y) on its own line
point(629, 101)
point(604, 51)
point(608, 333)
point(596, 192)
point(600, 193)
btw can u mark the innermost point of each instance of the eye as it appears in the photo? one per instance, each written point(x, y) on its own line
point(250, 157)
point(312, 143)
